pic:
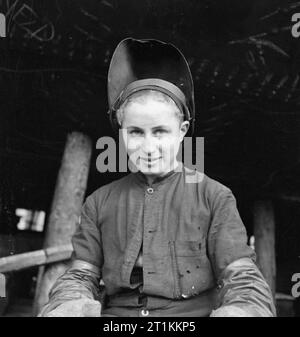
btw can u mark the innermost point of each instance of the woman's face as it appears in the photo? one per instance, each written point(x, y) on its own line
point(152, 134)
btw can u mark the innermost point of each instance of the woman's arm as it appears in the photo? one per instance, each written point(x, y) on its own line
point(75, 293)
point(243, 290)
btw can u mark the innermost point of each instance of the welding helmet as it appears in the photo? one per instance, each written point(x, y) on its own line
point(149, 64)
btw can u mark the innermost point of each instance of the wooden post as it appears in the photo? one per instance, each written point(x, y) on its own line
point(66, 205)
point(264, 233)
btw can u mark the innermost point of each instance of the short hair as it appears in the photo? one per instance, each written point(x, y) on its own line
point(142, 95)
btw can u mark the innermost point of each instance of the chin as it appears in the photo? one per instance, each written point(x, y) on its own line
point(150, 171)
point(153, 171)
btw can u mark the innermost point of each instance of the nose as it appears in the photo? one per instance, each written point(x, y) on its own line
point(149, 145)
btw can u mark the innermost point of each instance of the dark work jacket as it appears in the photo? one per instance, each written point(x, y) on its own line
point(190, 233)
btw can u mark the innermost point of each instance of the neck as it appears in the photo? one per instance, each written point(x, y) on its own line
point(151, 178)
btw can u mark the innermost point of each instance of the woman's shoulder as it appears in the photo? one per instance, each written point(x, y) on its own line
point(204, 182)
point(215, 187)
point(103, 192)
point(216, 192)
point(208, 191)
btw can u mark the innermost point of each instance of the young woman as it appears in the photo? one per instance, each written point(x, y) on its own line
point(162, 243)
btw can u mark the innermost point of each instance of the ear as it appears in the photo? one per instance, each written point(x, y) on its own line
point(184, 129)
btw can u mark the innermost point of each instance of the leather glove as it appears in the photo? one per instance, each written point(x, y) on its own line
point(77, 308)
point(230, 311)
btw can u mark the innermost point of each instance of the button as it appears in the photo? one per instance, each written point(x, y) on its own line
point(150, 190)
point(145, 312)
point(220, 285)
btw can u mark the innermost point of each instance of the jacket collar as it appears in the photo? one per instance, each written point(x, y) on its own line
point(142, 179)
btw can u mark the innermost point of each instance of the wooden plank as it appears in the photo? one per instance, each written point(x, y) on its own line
point(292, 198)
point(264, 233)
point(35, 258)
point(59, 253)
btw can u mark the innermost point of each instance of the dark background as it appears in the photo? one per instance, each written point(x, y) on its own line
point(245, 65)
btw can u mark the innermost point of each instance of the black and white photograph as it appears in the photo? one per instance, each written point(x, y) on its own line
point(149, 161)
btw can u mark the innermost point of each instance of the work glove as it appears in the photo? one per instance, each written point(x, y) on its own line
point(77, 308)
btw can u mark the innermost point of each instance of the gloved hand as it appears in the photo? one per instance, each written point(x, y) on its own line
point(230, 311)
point(77, 308)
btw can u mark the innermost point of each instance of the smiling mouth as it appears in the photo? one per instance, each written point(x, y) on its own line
point(149, 160)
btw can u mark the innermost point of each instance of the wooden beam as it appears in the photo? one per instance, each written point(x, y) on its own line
point(264, 233)
point(292, 198)
point(35, 258)
point(66, 206)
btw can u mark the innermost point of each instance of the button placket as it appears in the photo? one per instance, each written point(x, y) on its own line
point(147, 234)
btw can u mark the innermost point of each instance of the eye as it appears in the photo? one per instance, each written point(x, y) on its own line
point(135, 132)
point(159, 132)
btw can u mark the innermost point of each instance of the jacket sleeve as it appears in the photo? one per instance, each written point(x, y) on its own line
point(242, 290)
point(82, 279)
point(79, 282)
